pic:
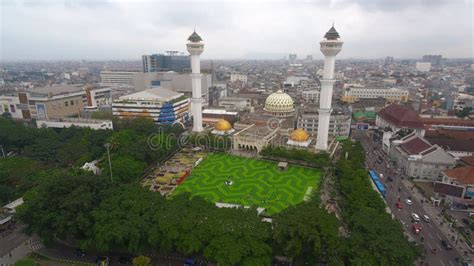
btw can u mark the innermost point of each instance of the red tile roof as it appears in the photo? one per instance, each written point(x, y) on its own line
point(415, 146)
point(453, 144)
point(464, 174)
point(401, 116)
point(447, 121)
point(450, 134)
point(469, 160)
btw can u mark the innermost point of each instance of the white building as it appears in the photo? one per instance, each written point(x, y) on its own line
point(353, 94)
point(310, 96)
point(195, 48)
point(238, 77)
point(77, 122)
point(235, 103)
point(423, 66)
point(419, 159)
point(339, 122)
point(162, 105)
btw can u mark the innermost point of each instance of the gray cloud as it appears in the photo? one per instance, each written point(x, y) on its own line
point(88, 29)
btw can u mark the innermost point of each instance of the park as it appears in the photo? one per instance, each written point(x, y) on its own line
point(245, 181)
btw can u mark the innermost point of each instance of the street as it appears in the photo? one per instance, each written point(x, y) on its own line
point(430, 235)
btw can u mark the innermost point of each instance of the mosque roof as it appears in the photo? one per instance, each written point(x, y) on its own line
point(194, 37)
point(299, 135)
point(332, 34)
point(222, 125)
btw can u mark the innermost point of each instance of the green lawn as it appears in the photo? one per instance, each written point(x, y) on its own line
point(255, 182)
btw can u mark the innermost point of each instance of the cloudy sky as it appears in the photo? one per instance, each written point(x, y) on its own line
point(96, 29)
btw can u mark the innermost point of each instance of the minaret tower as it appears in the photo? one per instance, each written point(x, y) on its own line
point(195, 48)
point(330, 47)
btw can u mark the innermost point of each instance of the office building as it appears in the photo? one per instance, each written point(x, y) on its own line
point(417, 158)
point(398, 117)
point(423, 66)
point(54, 101)
point(238, 77)
point(435, 60)
point(162, 105)
point(339, 122)
point(355, 93)
point(171, 60)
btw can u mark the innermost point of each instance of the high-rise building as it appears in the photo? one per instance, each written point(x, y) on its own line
point(330, 47)
point(195, 48)
point(172, 60)
point(388, 61)
point(435, 60)
point(292, 59)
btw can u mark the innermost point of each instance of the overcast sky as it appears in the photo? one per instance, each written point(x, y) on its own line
point(95, 29)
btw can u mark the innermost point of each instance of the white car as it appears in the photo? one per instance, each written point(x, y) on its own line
point(426, 218)
point(409, 202)
point(415, 217)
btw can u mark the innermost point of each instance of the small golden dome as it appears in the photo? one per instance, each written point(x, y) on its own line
point(222, 125)
point(299, 135)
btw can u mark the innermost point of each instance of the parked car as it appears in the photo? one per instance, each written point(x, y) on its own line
point(409, 202)
point(398, 205)
point(426, 218)
point(416, 228)
point(446, 245)
point(415, 217)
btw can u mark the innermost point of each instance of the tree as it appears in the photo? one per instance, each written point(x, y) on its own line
point(141, 261)
point(307, 233)
point(61, 206)
point(124, 169)
point(464, 112)
point(124, 218)
point(26, 262)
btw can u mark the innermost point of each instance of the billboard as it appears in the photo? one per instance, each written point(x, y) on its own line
point(362, 126)
point(448, 189)
point(469, 192)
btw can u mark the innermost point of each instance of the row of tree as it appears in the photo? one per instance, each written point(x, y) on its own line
point(375, 238)
point(315, 159)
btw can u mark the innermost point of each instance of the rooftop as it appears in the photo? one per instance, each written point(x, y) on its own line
point(401, 116)
point(469, 160)
point(415, 146)
point(464, 174)
point(159, 94)
point(332, 34)
point(453, 144)
point(194, 37)
point(59, 89)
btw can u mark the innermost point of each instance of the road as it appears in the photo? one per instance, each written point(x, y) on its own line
point(430, 236)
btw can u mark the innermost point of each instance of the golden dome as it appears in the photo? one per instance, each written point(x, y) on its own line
point(222, 125)
point(299, 135)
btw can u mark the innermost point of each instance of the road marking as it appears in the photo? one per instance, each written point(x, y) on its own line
point(430, 236)
point(450, 262)
point(441, 262)
point(440, 238)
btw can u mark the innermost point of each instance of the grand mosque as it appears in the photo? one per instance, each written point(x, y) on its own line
point(274, 124)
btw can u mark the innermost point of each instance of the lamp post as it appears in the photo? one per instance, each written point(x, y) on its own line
point(107, 146)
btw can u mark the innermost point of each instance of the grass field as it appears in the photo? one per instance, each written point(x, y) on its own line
point(254, 182)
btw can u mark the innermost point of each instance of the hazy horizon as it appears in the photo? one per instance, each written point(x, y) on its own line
point(233, 30)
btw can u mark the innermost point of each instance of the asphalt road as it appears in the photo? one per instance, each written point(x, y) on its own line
point(430, 233)
point(12, 240)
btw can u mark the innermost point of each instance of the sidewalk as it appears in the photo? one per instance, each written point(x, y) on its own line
point(16, 254)
point(436, 217)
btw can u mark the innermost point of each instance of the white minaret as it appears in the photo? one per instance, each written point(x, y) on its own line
point(330, 47)
point(195, 48)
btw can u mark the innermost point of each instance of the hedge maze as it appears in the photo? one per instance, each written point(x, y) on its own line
point(249, 182)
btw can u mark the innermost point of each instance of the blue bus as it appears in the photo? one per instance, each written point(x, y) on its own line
point(378, 184)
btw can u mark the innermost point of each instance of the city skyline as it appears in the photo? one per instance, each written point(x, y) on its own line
point(100, 30)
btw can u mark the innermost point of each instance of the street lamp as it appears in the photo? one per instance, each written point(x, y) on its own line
point(107, 146)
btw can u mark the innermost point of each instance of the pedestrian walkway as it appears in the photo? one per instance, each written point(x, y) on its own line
point(16, 254)
point(436, 217)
